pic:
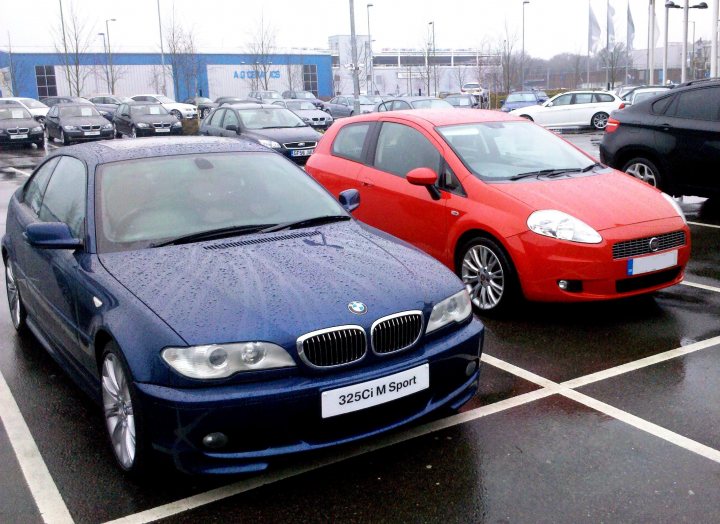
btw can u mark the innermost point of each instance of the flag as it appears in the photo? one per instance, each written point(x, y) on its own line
point(630, 29)
point(593, 32)
point(610, 25)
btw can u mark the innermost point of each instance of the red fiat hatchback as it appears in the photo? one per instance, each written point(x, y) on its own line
point(512, 208)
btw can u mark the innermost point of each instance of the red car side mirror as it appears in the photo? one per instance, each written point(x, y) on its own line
point(422, 176)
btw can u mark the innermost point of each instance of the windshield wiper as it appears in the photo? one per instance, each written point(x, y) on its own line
point(211, 234)
point(548, 172)
point(306, 223)
point(591, 166)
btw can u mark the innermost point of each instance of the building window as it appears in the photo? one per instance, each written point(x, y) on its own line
point(45, 76)
point(310, 78)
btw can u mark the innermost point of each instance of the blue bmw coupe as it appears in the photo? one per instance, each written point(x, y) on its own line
point(224, 309)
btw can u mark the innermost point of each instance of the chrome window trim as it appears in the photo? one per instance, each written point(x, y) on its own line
point(390, 317)
point(303, 338)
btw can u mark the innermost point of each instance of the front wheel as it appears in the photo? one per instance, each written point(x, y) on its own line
point(599, 120)
point(17, 309)
point(122, 412)
point(645, 170)
point(488, 275)
point(64, 138)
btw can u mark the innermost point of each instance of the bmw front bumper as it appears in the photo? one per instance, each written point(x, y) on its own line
point(266, 420)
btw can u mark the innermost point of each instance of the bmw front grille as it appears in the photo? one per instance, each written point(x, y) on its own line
point(396, 332)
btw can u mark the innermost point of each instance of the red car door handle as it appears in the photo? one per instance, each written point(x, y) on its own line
point(367, 182)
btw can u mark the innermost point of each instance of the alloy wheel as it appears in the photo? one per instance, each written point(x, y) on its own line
point(600, 120)
point(13, 296)
point(118, 409)
point(643, 172)
point(483, 276)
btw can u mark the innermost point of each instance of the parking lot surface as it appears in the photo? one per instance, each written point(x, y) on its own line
point(604, 412)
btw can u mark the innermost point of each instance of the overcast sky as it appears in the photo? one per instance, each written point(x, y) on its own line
point(551, 26)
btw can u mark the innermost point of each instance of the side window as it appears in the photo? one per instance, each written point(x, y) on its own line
point(349, 141)
point(216, 118)
point(583, 98)
point(599, 97)
point(123, 109)
point(230, 119)
point(563, 100)
point(32, 196)
point(393, 144)
point(65, 196)
point(661, 105)
point(697, 104)
point(449, 182)
point(399, 105)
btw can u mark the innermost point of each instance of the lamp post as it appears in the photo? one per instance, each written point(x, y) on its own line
point(686, 10)
point(162, 51)
point(433, 55)
point(372, 76)
point(522, 56)
point(109, 54)
point(668, 5)
point(107, 75)
point(714, 40)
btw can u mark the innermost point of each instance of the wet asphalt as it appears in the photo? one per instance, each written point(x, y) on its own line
point(548, 459)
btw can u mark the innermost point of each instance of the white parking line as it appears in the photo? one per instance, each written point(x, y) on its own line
point(44, 491)
point(704, 225)
point(548, 388)
point(15, 170)
point(701, 286)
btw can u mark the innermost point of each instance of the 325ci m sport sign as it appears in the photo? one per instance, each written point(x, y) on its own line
point(375, 392)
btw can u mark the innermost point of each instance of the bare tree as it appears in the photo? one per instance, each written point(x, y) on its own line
point(181, 57)
point(72, 42)
point(294, 74)
point(459, 75)
point(260, 48)
point(15, 75)
point(613, 60)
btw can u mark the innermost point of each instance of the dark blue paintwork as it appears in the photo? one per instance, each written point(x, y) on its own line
point(274, 290)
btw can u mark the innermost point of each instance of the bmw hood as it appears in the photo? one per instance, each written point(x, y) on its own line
point(154, 119)
point(278, 286)
point(19, 122)
point(604, 200)
point(83, 120)
point(284, 135)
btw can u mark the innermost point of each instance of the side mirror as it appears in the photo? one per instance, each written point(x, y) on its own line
point(231, 127)
point(51, 235)
point(424, 176)
point(349, 199)
point(548, 104)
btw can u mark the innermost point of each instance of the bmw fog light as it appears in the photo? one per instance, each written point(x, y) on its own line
point(215, 440)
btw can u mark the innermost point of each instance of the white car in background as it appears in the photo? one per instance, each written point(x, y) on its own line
point(180, 110)
point(573, 109)
point(642, 93)
point(38, 110)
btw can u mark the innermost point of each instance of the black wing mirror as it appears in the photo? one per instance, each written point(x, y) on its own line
point(51, 235)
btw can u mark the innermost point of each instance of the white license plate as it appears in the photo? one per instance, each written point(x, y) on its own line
point(15, 137)
point(302, 152)
point(375, 392)
point(92, 133)
point(163, 130)
point(638, 266)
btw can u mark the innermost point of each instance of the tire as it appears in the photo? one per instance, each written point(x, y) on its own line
point(41, 143)
point(18, 313)
point(599, 120)
point(122, 412)
point(645, 170)
point(527, 117)
point(488, 274)
point(133, 132)
point(177, 114)
point(63, 138)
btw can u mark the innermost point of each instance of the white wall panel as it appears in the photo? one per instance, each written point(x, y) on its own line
point(130, 80)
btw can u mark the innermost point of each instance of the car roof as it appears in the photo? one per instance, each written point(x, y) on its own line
point(106, 151)
point(253, 106)
point(73, 104)
point(413, 98)
point(444, 117)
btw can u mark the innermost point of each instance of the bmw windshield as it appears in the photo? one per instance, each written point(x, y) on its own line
point(495, 151)
point(146, 202)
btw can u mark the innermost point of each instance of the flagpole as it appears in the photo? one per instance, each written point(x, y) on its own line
point(651, 44)
point(627, 44)
point(607, 46)
point(588, 54)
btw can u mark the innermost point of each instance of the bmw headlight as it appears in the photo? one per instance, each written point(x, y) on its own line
point(37, 129)
point(142, 125)
point(107, 126)
point(69, 128)
point(451, 310)
point(269, 143)
point(177, 124)
point(675, 206)
point(556, 224)
point(222, 360)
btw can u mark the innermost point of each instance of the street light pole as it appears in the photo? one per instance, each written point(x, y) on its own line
point(107, 73)
point(522, 56)
point(109, 54)
point(162, 52)
point(433, 64)
point(370, 52)
point(353, 49)
point(714, 41)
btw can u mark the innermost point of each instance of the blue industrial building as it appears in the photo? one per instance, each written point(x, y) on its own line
point(211, 75)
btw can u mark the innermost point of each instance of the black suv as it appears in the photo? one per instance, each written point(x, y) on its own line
point(670, 141)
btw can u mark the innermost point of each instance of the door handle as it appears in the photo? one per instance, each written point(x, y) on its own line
point(665, 126)
point(367, 182)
